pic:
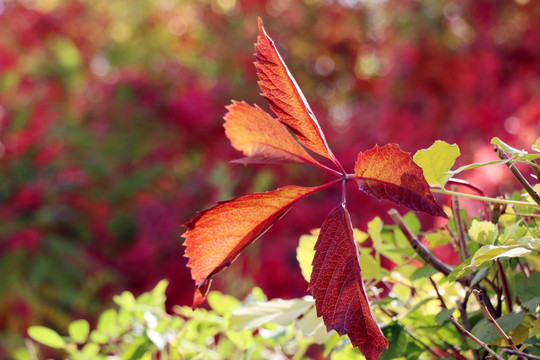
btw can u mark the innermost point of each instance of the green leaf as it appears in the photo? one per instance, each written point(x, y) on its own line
point(312, 325)
point(483, 232)
point(436, 161)
point(492, 252)
point(527, 287)
point(305, 253)
point(371, 269)
point(397, 341)
point(520, 154)
point(222, 303)
point(532, 304)
point(375, 227)
point(443, 315)
point(241, 339)
point(486, 332)
point(423, 272)
point(46, 336)
point(78, 330)
point(107, 322)
point(282, 312)
point(536, 146)
point(507, 148)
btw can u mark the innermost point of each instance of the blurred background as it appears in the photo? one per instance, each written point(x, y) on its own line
point(111, 128)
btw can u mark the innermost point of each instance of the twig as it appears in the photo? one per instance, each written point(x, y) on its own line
point(520, 353)
point(462, 307)
point(459, 226)
point(438, 293)
point(462, 330)
point(507, 298)
point(417, 246)
point(491, 319)
point(417, 339)
point(534, 195)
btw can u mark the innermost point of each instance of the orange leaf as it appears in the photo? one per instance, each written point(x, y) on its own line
point(389, 173)
point(261, 138)
point(216, 236)
point(285, 97)
point(337, 286)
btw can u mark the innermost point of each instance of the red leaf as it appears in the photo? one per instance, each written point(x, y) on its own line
point(216, 236)
point(285, 97)
point(337, 286)
point(261, 138)
point(389, 173)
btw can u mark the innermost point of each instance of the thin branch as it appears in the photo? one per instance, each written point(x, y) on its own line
point(534, 195)
point(438, 293)
point(462, 307)
point(459, 226)
point(520, 353)
point(491, 319)
point(462, 330)
point(417, 339)
point(417, 246)
point(507, 297)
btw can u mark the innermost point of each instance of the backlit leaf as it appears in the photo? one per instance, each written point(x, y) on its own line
point(285, 97)
point(216, 236)
point(483, 232)
point(337, 286)
point(279, 311)
point(305, 253)
point(390, 174)
point(260, 137)
point(436, 161)
point(46, 336)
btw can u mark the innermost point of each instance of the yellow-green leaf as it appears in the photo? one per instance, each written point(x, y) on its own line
point(46, 336)
point(483, 232)
point(305, 253)
point(78, 330)
point(436, 161)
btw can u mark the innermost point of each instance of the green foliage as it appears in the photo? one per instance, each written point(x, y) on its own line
point(413, 299)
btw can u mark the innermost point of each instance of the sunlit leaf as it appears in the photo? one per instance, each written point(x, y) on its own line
point(483, 232)
point(337, 286)
point(256, 314)
point(78, 330)
point(260, 137)
point(492, 252)
point(436, 161)
point(305, 253)
point(46, 336)
point(285, 97)
point(536, 146)
point(516, 153)
point(216, 236)
point(390, 174)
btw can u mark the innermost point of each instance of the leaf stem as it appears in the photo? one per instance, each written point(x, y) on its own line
point(485, 198)
point(520, 354)
point(461, 329)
